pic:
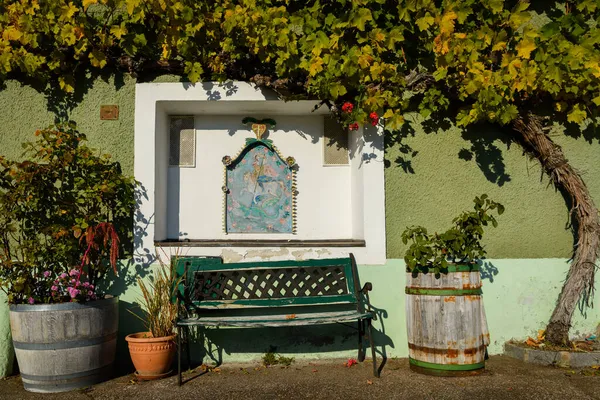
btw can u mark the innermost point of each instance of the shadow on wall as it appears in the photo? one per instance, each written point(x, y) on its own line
point(487, 270)
point(210, 345)
point(482, 142)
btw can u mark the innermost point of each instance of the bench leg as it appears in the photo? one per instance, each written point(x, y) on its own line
point(361, 337)
point(373, 354)
point(179, 355)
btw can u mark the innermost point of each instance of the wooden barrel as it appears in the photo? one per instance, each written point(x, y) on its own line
point(446, 325)
point(61, 347)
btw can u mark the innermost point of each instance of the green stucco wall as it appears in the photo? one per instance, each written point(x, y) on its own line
point(6, 348)
point(443, 185)
point(24, 110)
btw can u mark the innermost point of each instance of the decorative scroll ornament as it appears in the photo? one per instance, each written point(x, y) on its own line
point(260, 188)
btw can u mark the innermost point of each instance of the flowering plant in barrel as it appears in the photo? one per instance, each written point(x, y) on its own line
point(64, 215)
point(447, 329)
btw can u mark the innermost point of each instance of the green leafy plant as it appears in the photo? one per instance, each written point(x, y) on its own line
point(159, 309)
point(271, 358)
point(63, 209)
point(459, 244)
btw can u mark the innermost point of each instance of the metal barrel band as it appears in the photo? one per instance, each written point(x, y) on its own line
point(61, 383)
point(447, 367)
point(69, 344)
point(443, 292)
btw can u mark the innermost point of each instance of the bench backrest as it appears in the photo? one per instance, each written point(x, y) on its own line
point(209, 284)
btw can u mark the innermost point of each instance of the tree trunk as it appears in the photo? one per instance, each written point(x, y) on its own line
point(579, 285)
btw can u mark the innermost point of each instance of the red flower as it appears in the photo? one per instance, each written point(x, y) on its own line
point(353, 127)
point(374, 118)
point(347, 107)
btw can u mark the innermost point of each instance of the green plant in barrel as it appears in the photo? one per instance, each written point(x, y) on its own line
point(460, 244)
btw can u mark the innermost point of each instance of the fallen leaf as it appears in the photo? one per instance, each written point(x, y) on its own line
point(369, 382)
point(216, 369)
point(291, 316)
point(541, 335)
point(314, 370)
point(532, 342)
point(351, 362)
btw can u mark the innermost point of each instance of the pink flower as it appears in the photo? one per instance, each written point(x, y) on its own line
point(31, 300)
point(63, 275)
point(46, 274)
point(54, 288)
point(91, 287)
point(72, 292)
point(90, 293)
point(347, 107)
point(74, 272)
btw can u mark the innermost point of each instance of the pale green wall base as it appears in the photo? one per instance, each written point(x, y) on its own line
point(519, 296)
point(6, 348)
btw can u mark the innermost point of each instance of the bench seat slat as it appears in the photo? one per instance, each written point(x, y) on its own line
point(277, 320)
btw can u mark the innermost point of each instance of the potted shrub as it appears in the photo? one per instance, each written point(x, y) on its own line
point(446, 325)
point(64, 214)
point(152, 352)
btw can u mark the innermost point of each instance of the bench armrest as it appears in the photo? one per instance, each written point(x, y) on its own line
point(367, 287)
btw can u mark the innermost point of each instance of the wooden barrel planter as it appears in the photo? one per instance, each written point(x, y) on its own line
point(446, 324)
point(61, 347)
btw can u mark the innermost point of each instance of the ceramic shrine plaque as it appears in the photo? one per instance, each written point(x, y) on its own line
point(259, 189)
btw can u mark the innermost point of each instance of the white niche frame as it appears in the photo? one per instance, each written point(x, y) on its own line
point(154, 102)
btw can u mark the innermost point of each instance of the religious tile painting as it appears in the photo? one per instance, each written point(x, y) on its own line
point(259, 191)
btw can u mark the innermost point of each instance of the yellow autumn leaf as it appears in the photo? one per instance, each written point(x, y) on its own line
point(165, 51)
point(131, 5)
point(364, 60)
point(68, 11)
point(525, 47)
point(87, 3)
point(316, 66)
point(394, 122)
point(66, 84)
point(447, 22)
point(11, 33)
point(97, 59)
point(388, 113)
point(118, 31)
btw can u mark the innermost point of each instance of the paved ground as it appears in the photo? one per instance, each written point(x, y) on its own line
point(505, 378)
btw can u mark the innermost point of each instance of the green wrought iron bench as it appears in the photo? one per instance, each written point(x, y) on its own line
point(280, 293)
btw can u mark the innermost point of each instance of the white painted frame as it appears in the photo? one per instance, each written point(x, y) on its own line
point(154, 102)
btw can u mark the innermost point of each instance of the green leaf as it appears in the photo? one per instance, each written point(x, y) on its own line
point(577, 114)
point(361, 18)
point(425, 22)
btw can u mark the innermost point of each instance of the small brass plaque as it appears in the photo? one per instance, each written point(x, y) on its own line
point(109, 112)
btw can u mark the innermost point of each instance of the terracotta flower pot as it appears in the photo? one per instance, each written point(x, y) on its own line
point(152, 357)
